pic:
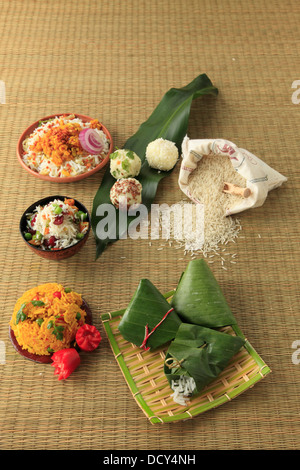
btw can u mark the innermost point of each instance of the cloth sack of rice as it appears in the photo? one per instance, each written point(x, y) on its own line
point(260, 177)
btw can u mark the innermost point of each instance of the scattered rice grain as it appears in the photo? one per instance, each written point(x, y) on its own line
point(206, 185)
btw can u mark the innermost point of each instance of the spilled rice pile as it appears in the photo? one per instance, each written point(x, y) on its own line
point(206, 230)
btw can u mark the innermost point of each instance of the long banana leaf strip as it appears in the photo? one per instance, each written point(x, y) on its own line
point(169, 120)
point(198, 298)
point(145, 314)
point(199, 353)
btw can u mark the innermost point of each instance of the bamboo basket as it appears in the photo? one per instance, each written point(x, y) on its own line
point(143, 372)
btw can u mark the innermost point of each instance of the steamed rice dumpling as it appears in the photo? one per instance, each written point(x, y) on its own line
point(197, 352)
point(149, 320)
point(196, 357)
point(198, 298)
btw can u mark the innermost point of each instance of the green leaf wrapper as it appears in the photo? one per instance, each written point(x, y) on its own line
point(147, 307)
point(201, 353)
point(197, 351)
point(198, 298)
point(169, 120)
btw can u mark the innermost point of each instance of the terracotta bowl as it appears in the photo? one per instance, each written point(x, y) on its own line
point(70, 179)
point(56, 254)
point(45, 359)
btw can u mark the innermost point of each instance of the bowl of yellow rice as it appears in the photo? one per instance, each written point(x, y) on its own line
point(45, 320)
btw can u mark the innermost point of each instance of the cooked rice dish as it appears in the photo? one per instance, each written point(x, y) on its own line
point(46, 318)
point(56, 148)
point(57, 225)
point(183, 389)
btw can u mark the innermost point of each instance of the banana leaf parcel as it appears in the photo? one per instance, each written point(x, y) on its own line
point(198, 298)
point(188, 326)
point(196, 357)
point(149, 321)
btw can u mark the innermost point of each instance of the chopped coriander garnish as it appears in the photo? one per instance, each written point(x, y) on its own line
point(126, 165)
point(21, 316)
point(58, 332)
point(37, 303)
point(130, 154)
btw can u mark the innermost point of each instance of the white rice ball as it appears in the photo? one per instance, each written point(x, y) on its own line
point(124, 164)
point(162, 154)
point(125, 193)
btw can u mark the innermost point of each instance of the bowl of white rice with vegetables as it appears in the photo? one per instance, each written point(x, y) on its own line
point(55, 227)
point(64, 148)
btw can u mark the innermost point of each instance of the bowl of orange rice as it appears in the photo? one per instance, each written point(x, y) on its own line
point(45, 319)
point(64, 148)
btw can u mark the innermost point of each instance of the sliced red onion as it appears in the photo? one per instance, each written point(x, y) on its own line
point(90, 141)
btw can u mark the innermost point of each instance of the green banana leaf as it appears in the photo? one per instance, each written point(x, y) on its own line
point(198, 298)
point(169, 120)
point(147, 307)
point(199, 353)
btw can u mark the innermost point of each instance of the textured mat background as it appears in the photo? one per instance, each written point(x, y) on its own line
point(114, 61)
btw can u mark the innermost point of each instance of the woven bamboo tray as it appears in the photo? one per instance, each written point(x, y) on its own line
point(143, 372)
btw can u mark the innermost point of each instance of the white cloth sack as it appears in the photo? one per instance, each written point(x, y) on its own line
point(261, 178)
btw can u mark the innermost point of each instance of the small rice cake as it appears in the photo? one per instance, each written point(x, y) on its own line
point(125, 193)
point(124, 164)
point(162, 154)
